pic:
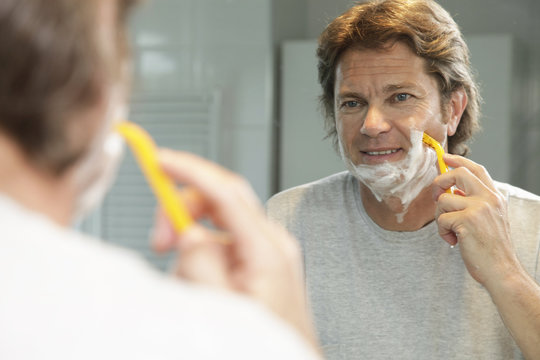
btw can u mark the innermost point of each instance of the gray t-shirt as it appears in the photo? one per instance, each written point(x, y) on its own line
point(380, 294)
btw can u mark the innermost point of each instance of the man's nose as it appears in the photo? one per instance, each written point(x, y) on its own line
point(375, 122)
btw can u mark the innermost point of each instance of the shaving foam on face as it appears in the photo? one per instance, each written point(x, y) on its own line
point(403, 179)
point(97, 169)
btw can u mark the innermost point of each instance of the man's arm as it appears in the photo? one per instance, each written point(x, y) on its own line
point(476, 218)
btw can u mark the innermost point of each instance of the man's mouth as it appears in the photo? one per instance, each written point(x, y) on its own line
point(378, 153)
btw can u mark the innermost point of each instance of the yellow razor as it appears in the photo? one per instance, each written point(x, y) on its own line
point(434, 144)
point(144, 149)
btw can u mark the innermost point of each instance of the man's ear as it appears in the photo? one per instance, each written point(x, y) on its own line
point(456, 107)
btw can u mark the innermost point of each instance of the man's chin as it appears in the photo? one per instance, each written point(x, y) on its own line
point(374, 190)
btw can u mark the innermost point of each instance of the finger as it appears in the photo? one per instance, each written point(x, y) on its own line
point(162, 236)
point(478, 170)
point(194, 202)
point(447, 224)
point(200, 235)
point(450, 203)
point(228, 196)
point(447, 203)
point(205, 175)
point(448, 236)
point(463, 179)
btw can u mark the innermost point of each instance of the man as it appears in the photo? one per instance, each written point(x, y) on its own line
point(382, 283)
point(67, 296)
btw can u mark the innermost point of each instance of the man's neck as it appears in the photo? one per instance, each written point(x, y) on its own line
point(33, 188)
point(389, 214)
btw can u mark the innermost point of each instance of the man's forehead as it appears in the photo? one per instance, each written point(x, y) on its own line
point(388, 69)
point(396, 58)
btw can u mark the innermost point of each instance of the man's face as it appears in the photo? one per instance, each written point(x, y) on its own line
point(380, 96)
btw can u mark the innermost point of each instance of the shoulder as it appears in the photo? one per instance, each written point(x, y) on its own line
point(309, 200)
point(315, 190)
point(523, 215)
point(523, 207)
point(300, 208)
point(518, 196)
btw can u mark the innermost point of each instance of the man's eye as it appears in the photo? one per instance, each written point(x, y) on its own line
point(402, 97)
point(351, 104)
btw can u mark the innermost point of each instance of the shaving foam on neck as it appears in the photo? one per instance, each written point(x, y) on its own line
point(403, 179)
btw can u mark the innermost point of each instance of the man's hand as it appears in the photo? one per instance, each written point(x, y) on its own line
point(244, 252)
point(476, 218)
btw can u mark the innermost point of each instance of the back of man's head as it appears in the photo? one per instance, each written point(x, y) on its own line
point(426, 28)
point(52, 68)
